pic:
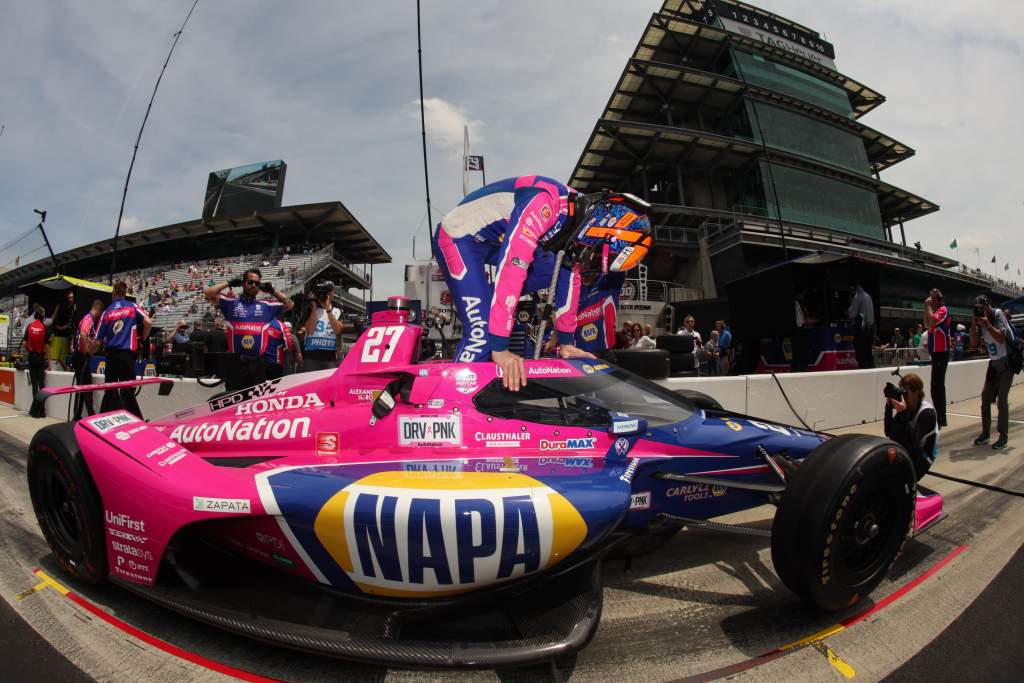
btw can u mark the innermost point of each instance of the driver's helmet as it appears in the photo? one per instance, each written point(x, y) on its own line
point(615, 233)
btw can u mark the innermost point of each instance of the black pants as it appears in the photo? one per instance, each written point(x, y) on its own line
point(862, 340)
point(246, 374)
point(37, 376)
point(80, 363)
point(998, 379)
point(273, 370)
point(120, 367)
point(801, 342)
point(940, 361)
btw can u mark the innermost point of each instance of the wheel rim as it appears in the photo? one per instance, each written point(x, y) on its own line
point(868, 534)
point(61, 513)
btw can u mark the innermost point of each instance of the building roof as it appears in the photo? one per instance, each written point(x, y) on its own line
point(676, 38)
point(617, 147)
point(320, 222)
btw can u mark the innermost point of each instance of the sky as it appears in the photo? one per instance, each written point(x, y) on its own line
point(331, 87)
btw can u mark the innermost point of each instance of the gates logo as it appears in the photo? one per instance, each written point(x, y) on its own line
point(422, 534)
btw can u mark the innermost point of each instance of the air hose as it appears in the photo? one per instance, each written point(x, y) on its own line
point(967, 482)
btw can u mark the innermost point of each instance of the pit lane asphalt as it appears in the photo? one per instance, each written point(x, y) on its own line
point(703, 602)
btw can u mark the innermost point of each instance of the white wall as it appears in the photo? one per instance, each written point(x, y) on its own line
point(826, 400)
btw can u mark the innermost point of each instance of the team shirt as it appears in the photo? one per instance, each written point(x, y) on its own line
point(278, 341)
point(35, 336)
point(84, 331)
point(246, 321)
point(119, 325)
point(938, 333)
point(997, 350)
point(595, 319)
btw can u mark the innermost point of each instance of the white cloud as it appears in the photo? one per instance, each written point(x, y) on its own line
point(446, 124)
point(130, 223)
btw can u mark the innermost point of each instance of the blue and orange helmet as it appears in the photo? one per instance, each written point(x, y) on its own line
point(614, 233)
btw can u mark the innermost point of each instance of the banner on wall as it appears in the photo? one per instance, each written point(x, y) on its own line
point(7, 385)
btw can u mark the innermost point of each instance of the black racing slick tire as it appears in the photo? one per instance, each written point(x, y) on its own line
point(652, 364)
point(843, 519)
point(67, 503)
point(700, 399)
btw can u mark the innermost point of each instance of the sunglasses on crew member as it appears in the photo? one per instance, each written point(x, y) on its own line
point(254, 283)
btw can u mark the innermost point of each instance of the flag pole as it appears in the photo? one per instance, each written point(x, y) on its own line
point(465, 159)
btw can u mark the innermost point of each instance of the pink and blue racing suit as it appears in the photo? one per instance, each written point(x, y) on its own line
point(595, 321)
point(500, 225)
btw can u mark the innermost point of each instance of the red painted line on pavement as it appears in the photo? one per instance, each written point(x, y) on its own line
point(896, 595)
point(167, 647)
point(772, 655)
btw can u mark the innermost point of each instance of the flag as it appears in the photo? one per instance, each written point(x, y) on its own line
point(474, 163)
point(952, 245)
point(993, 259)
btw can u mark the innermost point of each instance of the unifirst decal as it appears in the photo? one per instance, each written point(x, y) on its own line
point(418, 534)
point(242, 430)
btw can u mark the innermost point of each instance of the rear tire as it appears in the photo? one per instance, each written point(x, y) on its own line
point(66, 502)
point(843, 519)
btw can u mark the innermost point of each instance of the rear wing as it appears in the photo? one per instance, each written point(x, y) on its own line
point(166, 384)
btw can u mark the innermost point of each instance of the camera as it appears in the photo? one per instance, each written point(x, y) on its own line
point(322, 288)
point(892, 391)
point(979, 311)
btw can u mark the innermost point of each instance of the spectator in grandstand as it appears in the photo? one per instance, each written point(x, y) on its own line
point(641, 341)
point(81, 345)
point(921, 351)
point(725, 349)
point(60, 332)
point(862, 314)
point(278, 344)
point(118, 331)
point(898, 341)
point(990, 324)
point(624, 337)
point(911, 422)
point(247, 318)
point(710, 360)
point(34, 341)
point(179, 337)
point(936, 316)
point(916, 341)
point(648, 330)
point(321, 325)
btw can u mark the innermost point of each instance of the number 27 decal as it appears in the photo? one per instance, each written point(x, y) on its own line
point(380, 343)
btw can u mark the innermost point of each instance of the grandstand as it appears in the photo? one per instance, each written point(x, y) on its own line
point(168, 267)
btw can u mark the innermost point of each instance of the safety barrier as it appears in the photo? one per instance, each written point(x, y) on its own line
point(825, 400)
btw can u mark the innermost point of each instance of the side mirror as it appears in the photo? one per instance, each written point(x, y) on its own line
point(624, 425)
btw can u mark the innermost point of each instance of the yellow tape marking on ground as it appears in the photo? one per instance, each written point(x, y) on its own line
point(813, 638)
point(48, 582)
point(835, 660)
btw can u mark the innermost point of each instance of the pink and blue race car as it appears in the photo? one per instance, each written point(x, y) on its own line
point(418, 513)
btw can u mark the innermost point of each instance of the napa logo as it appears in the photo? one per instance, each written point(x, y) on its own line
point(422, 534)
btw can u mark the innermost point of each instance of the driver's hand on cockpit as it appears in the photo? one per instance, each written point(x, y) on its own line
point(570, 351)
point(513, 369)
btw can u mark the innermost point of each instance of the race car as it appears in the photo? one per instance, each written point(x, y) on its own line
point(420, 514)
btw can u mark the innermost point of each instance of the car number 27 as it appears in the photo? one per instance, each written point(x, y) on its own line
point(380, 343)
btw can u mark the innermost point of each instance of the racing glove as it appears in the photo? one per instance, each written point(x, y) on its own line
point(267, 287)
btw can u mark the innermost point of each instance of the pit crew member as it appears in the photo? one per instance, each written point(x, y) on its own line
point(35, 339)
point(278, 343)
point(503, 224)
point(247, 319)
point(118, 331)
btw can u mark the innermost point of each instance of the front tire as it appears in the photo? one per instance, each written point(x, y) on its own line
point(66, 503)
point(843, 519)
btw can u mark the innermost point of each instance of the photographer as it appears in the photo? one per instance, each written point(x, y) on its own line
point(322, 325)
point(995, 330)
point(911, 421)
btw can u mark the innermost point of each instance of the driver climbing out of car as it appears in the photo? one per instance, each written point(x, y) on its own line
point(504, 224)
point(912, 422)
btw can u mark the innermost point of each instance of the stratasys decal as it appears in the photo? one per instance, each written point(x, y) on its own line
point(423, 534)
